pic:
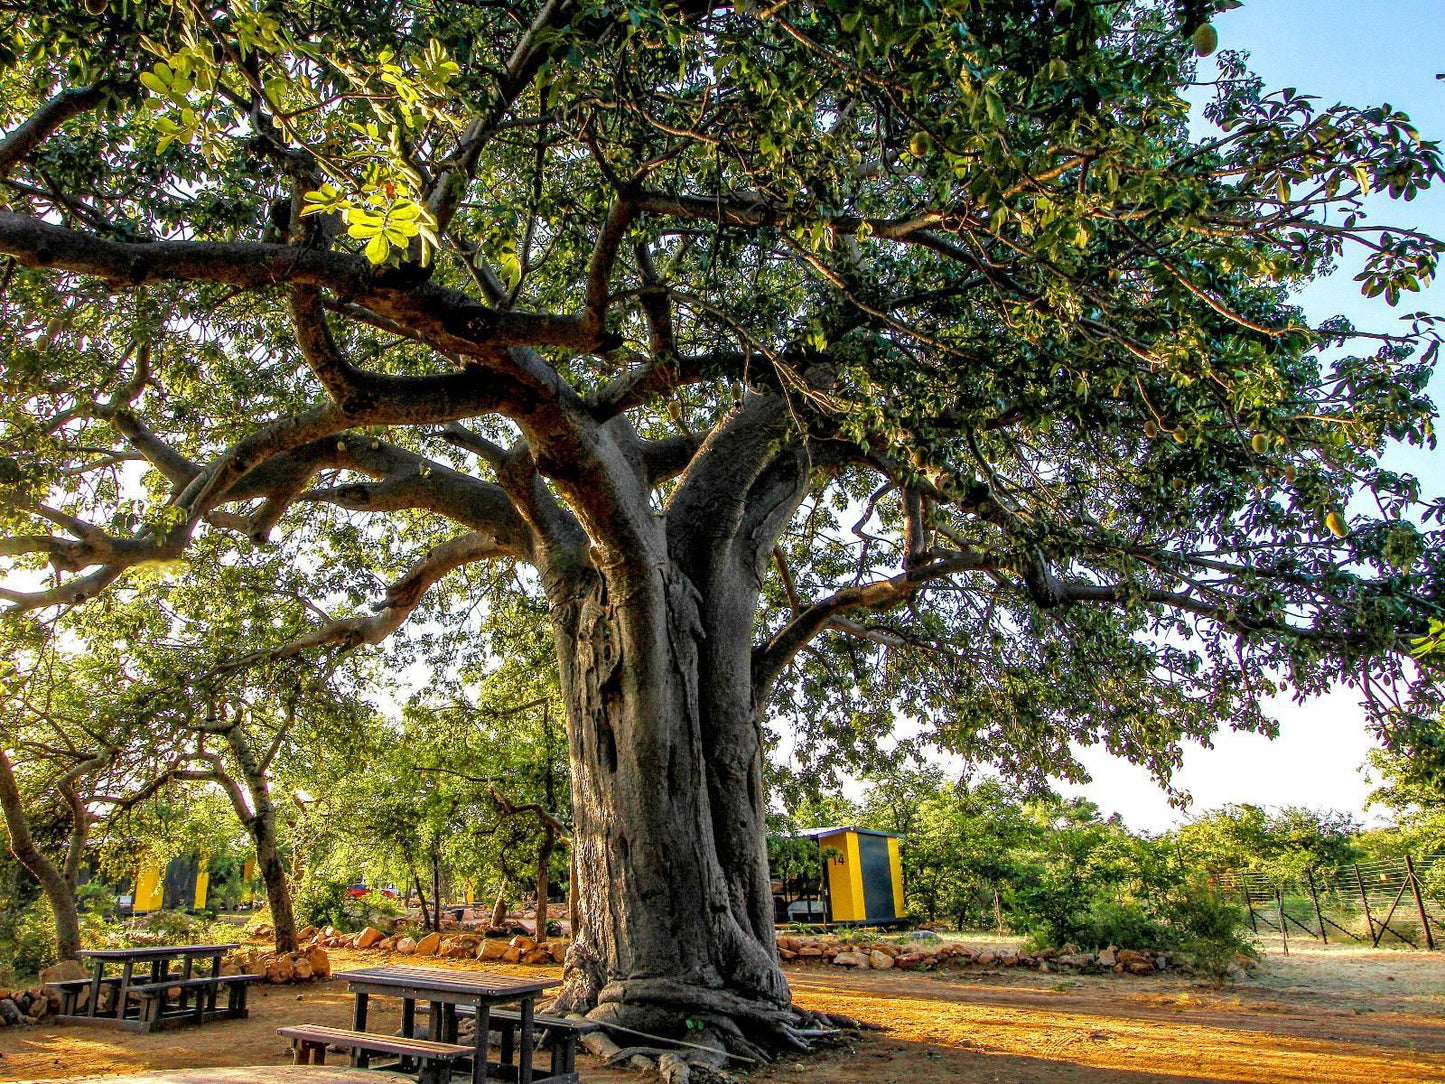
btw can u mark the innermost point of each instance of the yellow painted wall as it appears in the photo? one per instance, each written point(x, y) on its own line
point(150, 888)
point(203, 885)
point(845, 877)
point(895, 862)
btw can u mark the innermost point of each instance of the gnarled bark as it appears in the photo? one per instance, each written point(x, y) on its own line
point(669, 920)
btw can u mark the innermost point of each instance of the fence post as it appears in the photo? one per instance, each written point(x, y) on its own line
point(1283, 929)
point(1419, 901)
point(1365, 899)
point(1314, 895)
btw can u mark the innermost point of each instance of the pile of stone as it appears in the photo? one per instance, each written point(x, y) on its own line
point(930, 953)
point(19, 1008)
point(519, 949)
point(307, 964)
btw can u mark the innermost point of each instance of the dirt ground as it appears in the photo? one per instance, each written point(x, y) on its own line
point(1319, 1016)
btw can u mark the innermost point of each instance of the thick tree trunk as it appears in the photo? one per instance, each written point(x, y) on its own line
point(59, 887)
point(676, 916)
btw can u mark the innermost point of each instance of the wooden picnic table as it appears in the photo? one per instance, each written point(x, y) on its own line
point(153, 1010)
point(445, 990)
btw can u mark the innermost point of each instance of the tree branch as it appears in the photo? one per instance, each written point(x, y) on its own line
point(39, 126)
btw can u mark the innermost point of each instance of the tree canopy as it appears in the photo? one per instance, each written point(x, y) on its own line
point(863, 360)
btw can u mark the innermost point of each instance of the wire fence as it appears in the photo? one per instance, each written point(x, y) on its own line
point(1389, 901)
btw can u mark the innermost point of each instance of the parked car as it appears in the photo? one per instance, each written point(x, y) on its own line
point(361, 888)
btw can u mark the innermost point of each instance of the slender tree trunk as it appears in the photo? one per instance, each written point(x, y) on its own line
point(436, 890)
point(672, 883)
point(278, 887)
point(426, 920)
point(499, 909)
point(259, 817)
point(544, 871)
point(59, 887)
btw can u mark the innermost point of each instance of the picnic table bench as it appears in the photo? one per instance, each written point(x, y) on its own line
point(447, 993)
point(558, 1033)
point(143, 1002)
point(310, 1043)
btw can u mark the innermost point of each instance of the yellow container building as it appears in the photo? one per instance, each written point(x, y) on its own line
point(862, 876)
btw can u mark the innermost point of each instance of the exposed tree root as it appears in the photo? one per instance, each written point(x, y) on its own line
point(723, 1029)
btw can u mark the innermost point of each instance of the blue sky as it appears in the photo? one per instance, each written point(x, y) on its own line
point(1364, 52)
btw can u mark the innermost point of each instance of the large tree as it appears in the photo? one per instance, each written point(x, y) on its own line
point(853, 358)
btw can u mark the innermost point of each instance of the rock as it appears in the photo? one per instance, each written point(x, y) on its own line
point(845, 959)
point(1129, 956)
point(1109, 957)
point(787, 954)
point(10, 1012)
point(1046, 967)
point(386, 944)
point(320, 962)
point(810, 950)
point(988, 957)
point(307, 933)
point(924, 935)
point(512, 955)
point(526, 944)
point(538, 955)
point(303, 969)
point(280, 970)
point(558, 950)
point(368, 937)
point(879, 959)
point(428, 945)
point(1069, 949)
point(1140, 968)
point(65, 971)
point(491, 950)
point(1077, 959)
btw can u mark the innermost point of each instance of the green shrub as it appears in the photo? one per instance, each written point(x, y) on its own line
point(163, 928)
point(376, 908)
point(1208, 929)
point(27, 939)
point(321, 901)
point(1050, 912)
point(1127, 923)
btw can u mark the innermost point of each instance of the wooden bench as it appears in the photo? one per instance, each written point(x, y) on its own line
point(309, 1043)
point(558, 1033)
point(153, 995)
point(72, 989)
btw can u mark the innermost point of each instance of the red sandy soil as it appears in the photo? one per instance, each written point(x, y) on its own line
point(1317, 1017)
